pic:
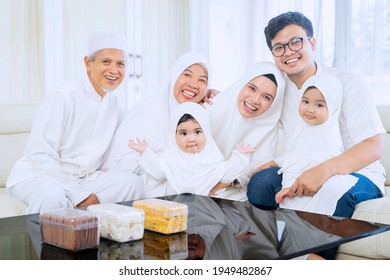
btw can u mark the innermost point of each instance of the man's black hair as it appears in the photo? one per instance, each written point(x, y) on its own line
point(281, 21)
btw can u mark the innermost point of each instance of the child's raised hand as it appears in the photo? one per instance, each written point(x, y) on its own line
point(245, 149)
point(138, 145)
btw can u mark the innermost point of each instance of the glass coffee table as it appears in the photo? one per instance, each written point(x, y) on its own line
point(217, 229)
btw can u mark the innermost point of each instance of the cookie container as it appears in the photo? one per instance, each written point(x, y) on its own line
point(163, 216)
point(70, 229)
point(118, 222)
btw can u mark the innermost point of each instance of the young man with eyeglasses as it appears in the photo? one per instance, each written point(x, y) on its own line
point(290, 39)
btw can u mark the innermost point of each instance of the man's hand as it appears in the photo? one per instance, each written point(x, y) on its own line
point(90, 200)
point(279, 197)
point(309, 182)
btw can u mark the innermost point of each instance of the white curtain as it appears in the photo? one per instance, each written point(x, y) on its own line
point(362, 42)
point(80, 20)
point(22, 73)
point(43, 41)
point(236, 33)
point(166, 34)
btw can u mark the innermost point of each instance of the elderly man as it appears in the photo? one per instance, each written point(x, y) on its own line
point(71, 132)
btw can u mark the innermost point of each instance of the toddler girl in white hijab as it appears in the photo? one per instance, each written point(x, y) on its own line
point(191, 162)
point(141, 120)
point(316, 138)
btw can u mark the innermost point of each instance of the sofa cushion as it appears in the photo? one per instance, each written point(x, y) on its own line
point(11, 149)
point(15, 125)
point(383, 111)
point(10, 206)
point(15, 118)
point(377, 246)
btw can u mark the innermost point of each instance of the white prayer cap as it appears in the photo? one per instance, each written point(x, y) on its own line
point(107, 40)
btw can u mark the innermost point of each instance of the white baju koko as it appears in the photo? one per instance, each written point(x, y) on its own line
point(311, 145)
point(149, 118)
point(60, 165)
point(358, 117)
point(229, 127)
point(174, 171)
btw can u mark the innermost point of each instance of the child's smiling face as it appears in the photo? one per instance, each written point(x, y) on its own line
point(313, 108)
point(190, 137)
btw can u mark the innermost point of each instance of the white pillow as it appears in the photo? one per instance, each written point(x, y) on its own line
point(376, 246)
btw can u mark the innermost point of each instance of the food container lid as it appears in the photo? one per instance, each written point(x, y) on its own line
point(70, 218)
point(118, 210)
point(162, 207)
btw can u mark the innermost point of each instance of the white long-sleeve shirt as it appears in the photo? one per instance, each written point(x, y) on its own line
point(69, 137)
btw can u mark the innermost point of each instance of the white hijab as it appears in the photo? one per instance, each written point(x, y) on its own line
point(229, 127)
point(192, 173)
point(149, 119)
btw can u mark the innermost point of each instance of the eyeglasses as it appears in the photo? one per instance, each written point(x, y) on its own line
point(295, 44)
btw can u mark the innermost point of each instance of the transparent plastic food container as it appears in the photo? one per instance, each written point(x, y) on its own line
point(118, 222)
point(163, 216)
point(70, 229)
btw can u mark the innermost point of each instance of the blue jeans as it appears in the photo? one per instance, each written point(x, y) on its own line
point(264, 185)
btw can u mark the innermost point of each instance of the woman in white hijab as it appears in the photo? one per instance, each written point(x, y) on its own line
point(187, 81)
point(316, 138)
point(248, 112)
point(192, 161)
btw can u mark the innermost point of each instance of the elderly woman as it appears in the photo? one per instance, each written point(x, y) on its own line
point(248, 112)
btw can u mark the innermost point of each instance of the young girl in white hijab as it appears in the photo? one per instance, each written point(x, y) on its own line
point(248, 112)
point(187, 81)
point(191, 162)
point(316, 138)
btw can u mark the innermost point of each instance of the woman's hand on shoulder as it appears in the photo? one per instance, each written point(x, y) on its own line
point(210, 94)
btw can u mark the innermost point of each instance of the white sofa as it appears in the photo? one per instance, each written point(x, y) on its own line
point(15, 125)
